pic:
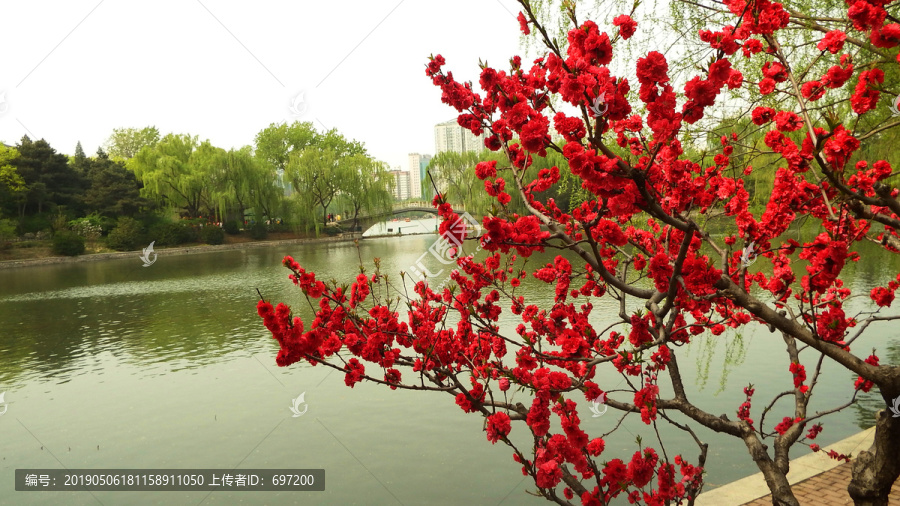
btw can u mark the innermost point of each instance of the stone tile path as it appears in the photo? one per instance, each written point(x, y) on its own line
point(817, 480)
point(826, 489)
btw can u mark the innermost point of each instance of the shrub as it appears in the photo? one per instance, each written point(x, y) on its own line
point(68, 243)
point(127, 236)
point(59, 221)
point(150, 220)
point(212, 234)
point(88, 227)
point(173, 234)
point(259, 231)
point(332, 230)
point(232, 227)
point(193, 222)
point(33, 223)
point(7, 231)
point(106, 225)
point(7, 234)
point(280, 227)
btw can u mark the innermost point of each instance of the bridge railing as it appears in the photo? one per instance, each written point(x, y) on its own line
point(419, 204)
point(402, 206)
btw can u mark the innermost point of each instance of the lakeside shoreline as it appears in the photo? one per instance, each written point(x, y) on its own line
point(177, 250)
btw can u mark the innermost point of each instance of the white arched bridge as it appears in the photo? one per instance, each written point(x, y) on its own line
point(408, 207)
point(364, 221)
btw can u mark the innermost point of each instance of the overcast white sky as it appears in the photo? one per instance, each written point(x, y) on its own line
point(223, 70)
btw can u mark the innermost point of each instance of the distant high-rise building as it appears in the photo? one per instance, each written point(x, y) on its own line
point(449, 136)
point(286, 188)
point(401, 184)
point(418, 177)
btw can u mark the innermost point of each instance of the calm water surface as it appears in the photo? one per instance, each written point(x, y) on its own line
point(116, 366)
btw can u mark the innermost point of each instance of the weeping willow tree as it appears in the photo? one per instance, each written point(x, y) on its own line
point(568, 193)
point(319, 171)
point(217, 194)
point(169, 176)
point(454, 175)
point(205, 180)
point(239, 174)
point(365, 187)
point(238, 183)
point(675, 25)
point(257, 184)
point(809, 22)
point(275, 143)
point(313, 172)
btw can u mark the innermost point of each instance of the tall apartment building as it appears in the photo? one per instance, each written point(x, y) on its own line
point(449, 136)
point(401, 184)
point(418, 178)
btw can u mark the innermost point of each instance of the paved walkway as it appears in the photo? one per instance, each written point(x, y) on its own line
point(816, 479)
point(826, 489)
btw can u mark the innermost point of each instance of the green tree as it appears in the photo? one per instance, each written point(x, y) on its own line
point(114, 190)
point(125, 143)
point(317, 172)
point(235, 181)
point(168, 173)
point(365, 186)
point(78, 161)
point(12, 186)
point(208, 167)
point(9, 176)
point(454, 175)
point(275, 143)
point(251, 184)
point(49, 178)
point(313, 173)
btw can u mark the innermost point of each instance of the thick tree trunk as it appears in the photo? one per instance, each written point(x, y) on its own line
point(777, 481)
point(876, 470)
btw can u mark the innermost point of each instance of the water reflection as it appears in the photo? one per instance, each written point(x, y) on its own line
point(193, 310)
point(188, 310)
point(115, 331)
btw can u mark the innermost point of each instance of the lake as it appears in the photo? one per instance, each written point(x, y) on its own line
point(117, 366)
